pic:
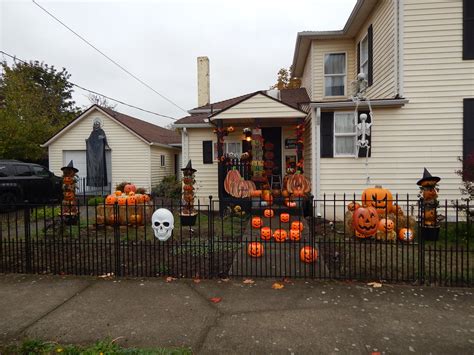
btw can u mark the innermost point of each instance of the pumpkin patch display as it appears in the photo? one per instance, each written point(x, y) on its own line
point(268, 213)
point(365, 221)
point(266, 233)
point(257, 222)
point(280, 235)
point(308, 254)
point(255, 249)
point(379, 198)
point(406, 235)
point(284, 217)
point(298, 225)
point(295, 234)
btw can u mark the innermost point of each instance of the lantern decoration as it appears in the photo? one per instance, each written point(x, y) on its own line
point(247, 134)
point(308, 254)
point(428, 205)
point(69, 211)
point(295, 234)
point(268, 213)
point(280, 235)
point(188, 213)
point(297, 225)
point(265, 233)
point(257, 222)
point(284, 217)
point(379, 198)
point(365, 221)
point(255, 249)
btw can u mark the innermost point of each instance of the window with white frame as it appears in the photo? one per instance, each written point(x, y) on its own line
point(162, 160)
point(345, 134)
point(364, 56)
point(334, 74)
point(233, 149)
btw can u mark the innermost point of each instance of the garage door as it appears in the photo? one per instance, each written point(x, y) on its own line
point(79, 159)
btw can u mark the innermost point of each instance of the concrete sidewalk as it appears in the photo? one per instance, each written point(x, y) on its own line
point(303, 317)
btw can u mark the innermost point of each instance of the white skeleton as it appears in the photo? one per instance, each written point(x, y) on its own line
point(162, 222)
point(363, 130)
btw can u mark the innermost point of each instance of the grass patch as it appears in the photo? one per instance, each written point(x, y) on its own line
point(34, 346)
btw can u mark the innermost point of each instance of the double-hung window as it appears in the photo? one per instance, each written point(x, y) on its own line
point(345, 134)
point(162, 161)
point(232, 149)
point(364, 56)
point(335, 74)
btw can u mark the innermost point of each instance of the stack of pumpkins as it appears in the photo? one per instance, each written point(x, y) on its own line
point(69, 208)
point(280, 235)
point(378, 217)
point(132, 208)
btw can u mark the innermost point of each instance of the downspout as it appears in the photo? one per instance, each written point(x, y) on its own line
point(399, 46)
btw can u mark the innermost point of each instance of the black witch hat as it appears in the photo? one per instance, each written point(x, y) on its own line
point(189, 168)
point(70, 166)
point(427, 177)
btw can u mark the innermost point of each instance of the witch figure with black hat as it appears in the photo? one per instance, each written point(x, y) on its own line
point(69, 209)
point(428, 205)
point(188, 213)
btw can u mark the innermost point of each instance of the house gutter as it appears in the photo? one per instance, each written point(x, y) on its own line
point(351, 104)
point(316, 156)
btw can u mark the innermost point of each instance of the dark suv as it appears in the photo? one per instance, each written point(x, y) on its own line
point(20, 182)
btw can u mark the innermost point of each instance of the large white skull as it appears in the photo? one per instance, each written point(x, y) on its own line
point(162, 222)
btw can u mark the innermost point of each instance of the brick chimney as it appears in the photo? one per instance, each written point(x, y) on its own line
point(204, 95)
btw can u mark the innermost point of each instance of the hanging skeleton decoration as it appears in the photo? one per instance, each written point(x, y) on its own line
point(162, 222)
point(363, 131)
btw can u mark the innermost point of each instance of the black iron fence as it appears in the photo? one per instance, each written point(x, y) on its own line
point(112, 239)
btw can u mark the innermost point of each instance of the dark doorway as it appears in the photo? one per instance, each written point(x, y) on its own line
point(272, 135)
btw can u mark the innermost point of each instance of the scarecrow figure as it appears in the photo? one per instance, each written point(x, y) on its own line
point(428, 205)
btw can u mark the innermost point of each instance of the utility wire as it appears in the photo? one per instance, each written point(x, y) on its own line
point(97, 93)
point(109, 58)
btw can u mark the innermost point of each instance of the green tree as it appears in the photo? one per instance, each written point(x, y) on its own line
point(35, 103)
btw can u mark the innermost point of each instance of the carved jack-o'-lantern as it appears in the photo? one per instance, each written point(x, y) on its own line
point(255, 249)
point(280, 235)
point(266, 233)
point(68, 180)
point(386, 225)
point(308, 254)
point(69, 195)
point(284, 217)
point(122, 200)
point(295, 234)
point(352, 206)
point(118, 193)
point(257, 222)
point(297, 225)
point(406, 235)
point(269, 213)
point(379, 198)
point(110, 199)
point(132, 200)
point(365, 222)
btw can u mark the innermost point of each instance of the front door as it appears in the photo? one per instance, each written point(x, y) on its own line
point(272, 151)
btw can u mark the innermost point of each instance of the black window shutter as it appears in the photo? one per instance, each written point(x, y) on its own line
point(207, 147)
point(358, 58)
point(370, 44)
point(327, 134)
point(363, 151)
point(468, 29)
point(468, 128)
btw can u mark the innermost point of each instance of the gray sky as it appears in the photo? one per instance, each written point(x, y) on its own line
point(247, 41)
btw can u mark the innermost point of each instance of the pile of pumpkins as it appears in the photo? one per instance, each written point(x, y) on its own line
point(378, 217)
point(280, 235)
point(132, 208)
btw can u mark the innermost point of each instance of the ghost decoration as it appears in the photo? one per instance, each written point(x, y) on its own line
point(162, 222)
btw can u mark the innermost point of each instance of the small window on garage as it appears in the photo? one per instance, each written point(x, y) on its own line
point(162, 161)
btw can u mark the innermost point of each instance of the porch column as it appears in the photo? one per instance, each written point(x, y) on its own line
point(316, 155)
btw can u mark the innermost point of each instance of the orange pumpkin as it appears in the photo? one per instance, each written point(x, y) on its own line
point(188, 187)
point(353, 206)
point(122, 200)
point(256, 193)
point(295, 234)
point(308, 254)
point(118, 193)
point(379, 198)
point(69, 195)
point(146, 197)
point(266, 233)
point(365, 222)
point(68, 180)
point(297, 225)
point(233, 177)
point(257, 222)
point(284, 217)
point(110, 199)
point(280, 235)
point(266, 195)
point(132, 200)
point(135, 219)
point(285, 193)
point(140, 198)
point(269, 213)
point(406, 234)
point(255, 249)
point(129, 188)
point(298, 183)
point(131, 193)
point(386, 225)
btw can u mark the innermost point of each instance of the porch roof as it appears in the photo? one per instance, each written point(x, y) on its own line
point(258, 105)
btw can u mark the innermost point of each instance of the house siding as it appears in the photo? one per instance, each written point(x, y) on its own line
point(383, 22)
point(319, 49)
point(130, 155)
point(158, 172)
point(307, 79)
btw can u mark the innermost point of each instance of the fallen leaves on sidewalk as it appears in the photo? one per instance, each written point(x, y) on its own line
point(277, 286)
point(249, 281)
point(215, 299)
point(107, 275)
point(170, 279)
point(374, 284)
